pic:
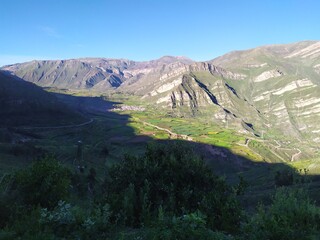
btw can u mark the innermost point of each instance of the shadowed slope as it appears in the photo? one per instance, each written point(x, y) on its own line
point(23, 103)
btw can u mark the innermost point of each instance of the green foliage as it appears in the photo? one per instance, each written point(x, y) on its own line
point(289, 177)
point(104, 152)
point(5, 210)
point(292, 215)
point(25, 225)
point(240, 188)
point(284, 178)
point(168, 193)
point(44, 183)
point(60, 216)
point(190, 226)
point(74, 221)
point(187, 227)
point(60, 220)
point(170, 176)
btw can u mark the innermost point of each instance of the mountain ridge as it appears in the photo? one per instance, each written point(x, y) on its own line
point(273, 88)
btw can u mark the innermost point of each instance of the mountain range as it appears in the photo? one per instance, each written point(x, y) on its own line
point(269, 90)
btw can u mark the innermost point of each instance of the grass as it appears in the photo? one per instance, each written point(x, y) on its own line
point(311, 165)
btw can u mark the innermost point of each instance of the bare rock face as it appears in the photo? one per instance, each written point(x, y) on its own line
point(190, 94)
point(268, 74)
point(214, 70)
point(99, 73)
point(311, 51)
point(282, 83)
point(72, 74)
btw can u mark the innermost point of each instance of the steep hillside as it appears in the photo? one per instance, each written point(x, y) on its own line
point(72, 74)
point(268, 91)
point(197, 90)
point(26, 104)
point(88, 73)
point(283, 83)
point(271, 91)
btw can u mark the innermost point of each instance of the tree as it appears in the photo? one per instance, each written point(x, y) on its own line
point(284, 178)
point(44, 183)
point(173, 177)
point(292, 215)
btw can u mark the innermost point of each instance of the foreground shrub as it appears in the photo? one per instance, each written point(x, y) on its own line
point(173, 177)
point(44, 183)
point(74, 222)
point(190, 226)
point(187, 227)
point(292, 215)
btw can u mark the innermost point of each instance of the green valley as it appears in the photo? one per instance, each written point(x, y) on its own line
point(118, 149)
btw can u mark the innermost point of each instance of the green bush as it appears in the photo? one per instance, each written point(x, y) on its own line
point(187, 227)
point(292, 215)
point(190, 226)
point(284, 178)
point(60, 220)
point(5, 210)
point(173, 177)
point(44, 183)
point(75, 222)
point(25, 225)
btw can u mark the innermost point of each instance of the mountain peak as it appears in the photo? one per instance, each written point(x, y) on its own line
point(167, 59)
point(180, 58)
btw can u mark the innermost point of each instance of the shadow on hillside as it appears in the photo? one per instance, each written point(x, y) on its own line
point(24, 104)
point(109, 137)
point(97, 127)
point(91, 105)
point(261, 175)
point(262, 178)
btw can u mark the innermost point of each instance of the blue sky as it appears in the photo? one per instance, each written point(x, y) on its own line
point(148, 29)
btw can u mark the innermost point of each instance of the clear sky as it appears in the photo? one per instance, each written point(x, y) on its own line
point(148, 29)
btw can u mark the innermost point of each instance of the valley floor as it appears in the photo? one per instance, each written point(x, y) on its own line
point(110, 134)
